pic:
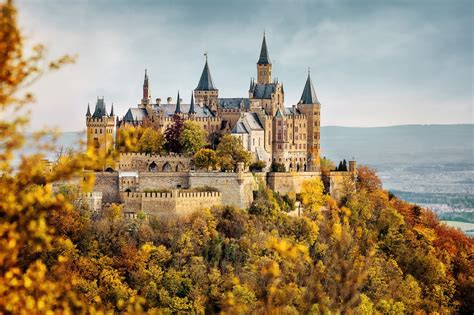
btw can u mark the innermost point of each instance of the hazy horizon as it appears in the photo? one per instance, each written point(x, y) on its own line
point(373, 64)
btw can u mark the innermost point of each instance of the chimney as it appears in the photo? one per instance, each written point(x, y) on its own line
point(158, 101)
point(169, 99)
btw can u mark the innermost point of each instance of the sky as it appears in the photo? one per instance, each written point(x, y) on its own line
point(373, 63)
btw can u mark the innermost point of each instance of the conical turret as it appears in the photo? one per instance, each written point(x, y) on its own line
point(178, 105)
point(309, 94)
point(205, 82)
point(88, 114)
point(191, 106)
point(264, 59)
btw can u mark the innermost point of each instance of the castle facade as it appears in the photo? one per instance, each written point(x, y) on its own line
point(268, 129)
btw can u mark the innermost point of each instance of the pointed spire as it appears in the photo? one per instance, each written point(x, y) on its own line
point(146, 90)
point(191, 106)
point(112, 110)
point(88, 114)
point(264, 59)
point(178, 105)
point(309, 94)
point(205, 82)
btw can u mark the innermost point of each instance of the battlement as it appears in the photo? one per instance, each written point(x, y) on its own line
point(148, 155)
point(165, 204)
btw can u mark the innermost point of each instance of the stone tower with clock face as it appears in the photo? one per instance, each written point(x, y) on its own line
point(264, 66)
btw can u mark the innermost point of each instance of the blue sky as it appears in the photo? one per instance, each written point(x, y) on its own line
point(373, 63)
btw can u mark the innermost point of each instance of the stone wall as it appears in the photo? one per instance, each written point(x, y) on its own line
point(284, 183)
point(236, 188)
point(93, 200)
point(176, 203)
point(173, 180)
point(108, 184)
point(152, 162)
point(340, 183)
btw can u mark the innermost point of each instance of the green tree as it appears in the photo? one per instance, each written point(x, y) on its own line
point(151, 141)
point(206, 158)
point(231, 151)
point(192, 138)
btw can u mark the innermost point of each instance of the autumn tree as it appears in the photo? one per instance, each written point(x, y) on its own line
point(231, 151)
point(151, 141)
point(173, 133)
point(206, 158)
point(367, 179)
point(326, 165)
point(192, 138)
point(29, 283)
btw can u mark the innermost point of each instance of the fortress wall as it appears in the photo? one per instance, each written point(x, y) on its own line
point(165, 180)
point(339, 182)
point(236, 188)
point(141, 161)
point(108, 184)
point(189, 202)
point(284, 183)
point(169, 204)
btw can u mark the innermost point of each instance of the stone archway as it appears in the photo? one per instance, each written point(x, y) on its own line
point(109, 169)
point(167, 167)
point(297, 167)
point(153, 167)
point(180, 167)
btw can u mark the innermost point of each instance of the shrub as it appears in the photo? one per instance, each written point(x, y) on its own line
point(278, 167)
point(257, 166)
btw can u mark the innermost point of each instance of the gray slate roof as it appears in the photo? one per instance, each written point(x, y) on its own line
point(239, 128)
point(247, 121)
point(205, 82)
point(135, 114)
point(264, 59)
point(288, 111)
point(234, 103)
point(100, 110)
point(253, 121)
point(169, 109)
point(309, 94)
point(263, 91)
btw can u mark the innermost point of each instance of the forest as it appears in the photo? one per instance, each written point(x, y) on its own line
point(370, 253)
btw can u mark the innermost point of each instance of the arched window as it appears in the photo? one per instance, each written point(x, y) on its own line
point(153, 167)
point(180, 167)
point(167, 167)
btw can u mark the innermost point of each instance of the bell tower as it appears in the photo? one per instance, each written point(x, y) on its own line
point(264, 66)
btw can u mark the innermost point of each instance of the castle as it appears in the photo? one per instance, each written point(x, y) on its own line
point(273, 133)
point(268, 129)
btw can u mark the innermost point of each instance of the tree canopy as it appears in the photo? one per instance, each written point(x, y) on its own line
point(231, 151)
point(192, 138)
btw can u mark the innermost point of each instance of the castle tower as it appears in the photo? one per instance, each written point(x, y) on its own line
point(146, 99)
point(206, 93)
point(310, 106)
point(100, 128)
point(264, 66)
point(280, 138)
